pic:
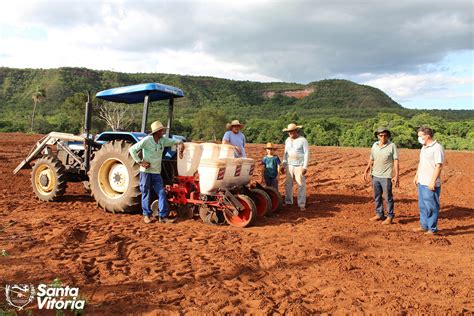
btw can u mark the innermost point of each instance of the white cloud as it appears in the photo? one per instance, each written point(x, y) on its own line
point(299, 41)
point(405, 87)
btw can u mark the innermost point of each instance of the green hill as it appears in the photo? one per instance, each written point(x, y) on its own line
point(335, 105)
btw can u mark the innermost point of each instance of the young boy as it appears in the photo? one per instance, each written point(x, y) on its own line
point(271, 164)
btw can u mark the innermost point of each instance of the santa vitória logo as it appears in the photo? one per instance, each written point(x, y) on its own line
point(48, 296)
point(19, 295)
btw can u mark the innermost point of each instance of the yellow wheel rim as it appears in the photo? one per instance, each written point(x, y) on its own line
point(45, 181)
point(113, 178)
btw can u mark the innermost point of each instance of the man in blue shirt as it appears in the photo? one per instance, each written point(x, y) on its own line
point(235, 138)
point(152, 147)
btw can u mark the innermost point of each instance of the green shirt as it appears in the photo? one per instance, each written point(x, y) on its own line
point(383, 158)
point(151, 152)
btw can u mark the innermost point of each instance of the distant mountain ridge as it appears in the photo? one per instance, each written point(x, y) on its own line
point(18, 85)
point(65, 90)
point(333, 112)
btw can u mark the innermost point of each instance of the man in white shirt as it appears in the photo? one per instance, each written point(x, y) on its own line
point(428, 180)
point(295, 159)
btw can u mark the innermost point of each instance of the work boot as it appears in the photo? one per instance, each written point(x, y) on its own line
point(419, 230)
point(376, 218)
point(166, 220)
point(387, 221)
point(432, 233)
point(146, 219)
point(302, 208)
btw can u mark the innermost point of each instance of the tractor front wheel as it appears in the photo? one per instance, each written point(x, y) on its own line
point(49, 179)
point(114, 178)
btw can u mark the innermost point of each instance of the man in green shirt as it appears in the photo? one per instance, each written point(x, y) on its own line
point(152, 147)
point(383, 161)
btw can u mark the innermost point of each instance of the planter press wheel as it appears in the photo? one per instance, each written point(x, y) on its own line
point(176, 210)
point(275, 197)
point(185, 212)
point(262, 202)
point(246, 217)
point(210, 216)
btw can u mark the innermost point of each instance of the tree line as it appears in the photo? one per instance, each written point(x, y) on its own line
point(208, 124)
point(337, 113)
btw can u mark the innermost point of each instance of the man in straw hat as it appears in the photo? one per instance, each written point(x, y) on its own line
point(383, 162)
point(295, 159)
point(271, 164)
point(235, 138)
point(152, 147)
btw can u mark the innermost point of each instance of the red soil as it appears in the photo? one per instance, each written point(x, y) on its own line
point(329, 259)
point(297, 94)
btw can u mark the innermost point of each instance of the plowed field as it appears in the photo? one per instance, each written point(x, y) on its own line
point(328, 259)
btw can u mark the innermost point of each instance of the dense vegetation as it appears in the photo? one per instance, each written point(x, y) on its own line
point(337, 112)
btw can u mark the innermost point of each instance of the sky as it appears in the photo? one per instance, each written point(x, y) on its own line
point(421, 53)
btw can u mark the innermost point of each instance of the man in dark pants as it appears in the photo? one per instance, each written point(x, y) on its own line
point(383, 162)
point(152, 147)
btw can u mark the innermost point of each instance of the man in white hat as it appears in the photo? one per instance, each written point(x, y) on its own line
point(295, 159)
point(152, 147)
point(235, 138)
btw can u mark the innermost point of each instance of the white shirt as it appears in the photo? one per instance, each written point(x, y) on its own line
point(296, 152)
point(430, 156)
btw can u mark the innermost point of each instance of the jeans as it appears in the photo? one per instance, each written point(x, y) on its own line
point(381, 186)
point(271, 182)
point(428, 202)
point(295, 173)
point(149, 181)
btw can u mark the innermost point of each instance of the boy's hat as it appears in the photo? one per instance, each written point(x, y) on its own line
point(270, 146)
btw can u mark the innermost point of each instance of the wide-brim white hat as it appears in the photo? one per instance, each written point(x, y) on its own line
point(292, 127)
point(156, 126)
point(234, 123)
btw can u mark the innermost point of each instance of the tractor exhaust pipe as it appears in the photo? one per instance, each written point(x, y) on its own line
point(87, 130)
point(87, 121)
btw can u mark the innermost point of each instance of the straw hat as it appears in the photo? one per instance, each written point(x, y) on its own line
point(292, 127)
point(270, 146)
point(156, 126)
point(234, 123)
point(381, 130)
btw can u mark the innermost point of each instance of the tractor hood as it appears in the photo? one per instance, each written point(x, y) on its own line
point(137, 93)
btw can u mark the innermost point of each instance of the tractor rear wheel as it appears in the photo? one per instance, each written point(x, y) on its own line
point(275, 196)
point(262, 202)
point(246, 217)
point(114, 178)
point(49, 179)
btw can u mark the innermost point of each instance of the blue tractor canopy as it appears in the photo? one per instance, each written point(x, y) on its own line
point(138, 92)
point(146, 93)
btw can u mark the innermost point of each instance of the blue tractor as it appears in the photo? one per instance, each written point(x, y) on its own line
point(103, 162)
